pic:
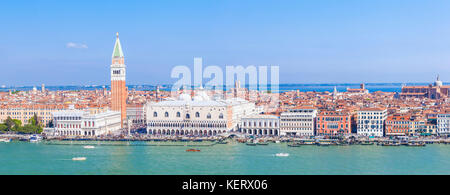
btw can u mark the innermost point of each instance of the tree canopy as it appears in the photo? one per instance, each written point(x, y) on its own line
point(14, 125)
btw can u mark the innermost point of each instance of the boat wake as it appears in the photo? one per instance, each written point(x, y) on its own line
point(282, 155)
point(88, 147)
point(79, 158)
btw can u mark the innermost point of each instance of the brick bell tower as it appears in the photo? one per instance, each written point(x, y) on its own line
point(119, 91)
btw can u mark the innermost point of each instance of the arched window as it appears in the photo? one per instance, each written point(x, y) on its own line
point(197, 115)
point(178, 114)
point(188, 116)
point(221, 116)
point(155, 114)
point(166, 114)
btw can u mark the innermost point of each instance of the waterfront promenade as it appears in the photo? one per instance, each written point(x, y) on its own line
point(241, 138)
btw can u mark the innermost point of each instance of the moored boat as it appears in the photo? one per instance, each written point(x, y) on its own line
point(389, 143)
point(192, 150)
point(262, 143)
point(294, 144)
point(416, 144)
point(6, 140)
point(35, 138)
point(366, 143)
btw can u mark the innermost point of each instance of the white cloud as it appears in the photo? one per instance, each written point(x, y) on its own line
point(76, 45)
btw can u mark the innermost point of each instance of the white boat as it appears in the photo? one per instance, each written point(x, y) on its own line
point(79, 158)
point(88, 147)
point(35, 138)
point(282, 154)
point(6, 140)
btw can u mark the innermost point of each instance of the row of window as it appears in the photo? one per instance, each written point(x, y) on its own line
point(24, 113)
point(332, 118)
point(69, 126)
point(260, 124)
point(86, 124)
point(189, 125)
point(369, 117)
point(333, 126)
point(370, 126)
point(197, 115)
point(67, 118)
point(296, 119)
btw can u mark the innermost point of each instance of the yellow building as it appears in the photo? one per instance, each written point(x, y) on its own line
point(25, 113)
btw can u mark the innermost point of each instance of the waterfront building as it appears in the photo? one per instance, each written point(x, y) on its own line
point(443, 124)
point(371, 121)
point(72, 123)
point(198, 116)
point(430, 128)
point(136, 114)
point(25, 112)
point(119, 92)
point(434, 91)
point(261, 125)
point(417, 126)
point(362, 90)
point(298, 122)
point(398, 125)
point(333, 123)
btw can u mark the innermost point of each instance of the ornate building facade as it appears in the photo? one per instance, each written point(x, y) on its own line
point(432, 91)
point(75, 123)
point(198, 116)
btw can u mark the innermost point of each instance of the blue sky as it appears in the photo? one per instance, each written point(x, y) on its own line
point(316, 41)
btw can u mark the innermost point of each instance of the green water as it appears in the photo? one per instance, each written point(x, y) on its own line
point(233, 158)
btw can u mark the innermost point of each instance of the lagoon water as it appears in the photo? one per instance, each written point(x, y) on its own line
point(232, 158)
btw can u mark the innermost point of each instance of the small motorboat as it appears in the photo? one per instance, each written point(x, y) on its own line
point(263, 143)
point(324, 143)
point(79, 158)
point(416, 144)
point(294, 145)
point(366, 143)
point(389, 144)
point(192, 150)
point(35, 138)
point(88, 147)
point(282, 154)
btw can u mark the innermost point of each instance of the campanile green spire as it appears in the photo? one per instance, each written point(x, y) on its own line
point(117, 53)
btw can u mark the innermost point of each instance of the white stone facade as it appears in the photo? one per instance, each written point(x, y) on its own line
point(198, 117)
point(443, 124)
point(371, 122)
point(72, 123)
point(298, 122)
point(261, 125)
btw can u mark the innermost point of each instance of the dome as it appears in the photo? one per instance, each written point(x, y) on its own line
point(438, 82)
